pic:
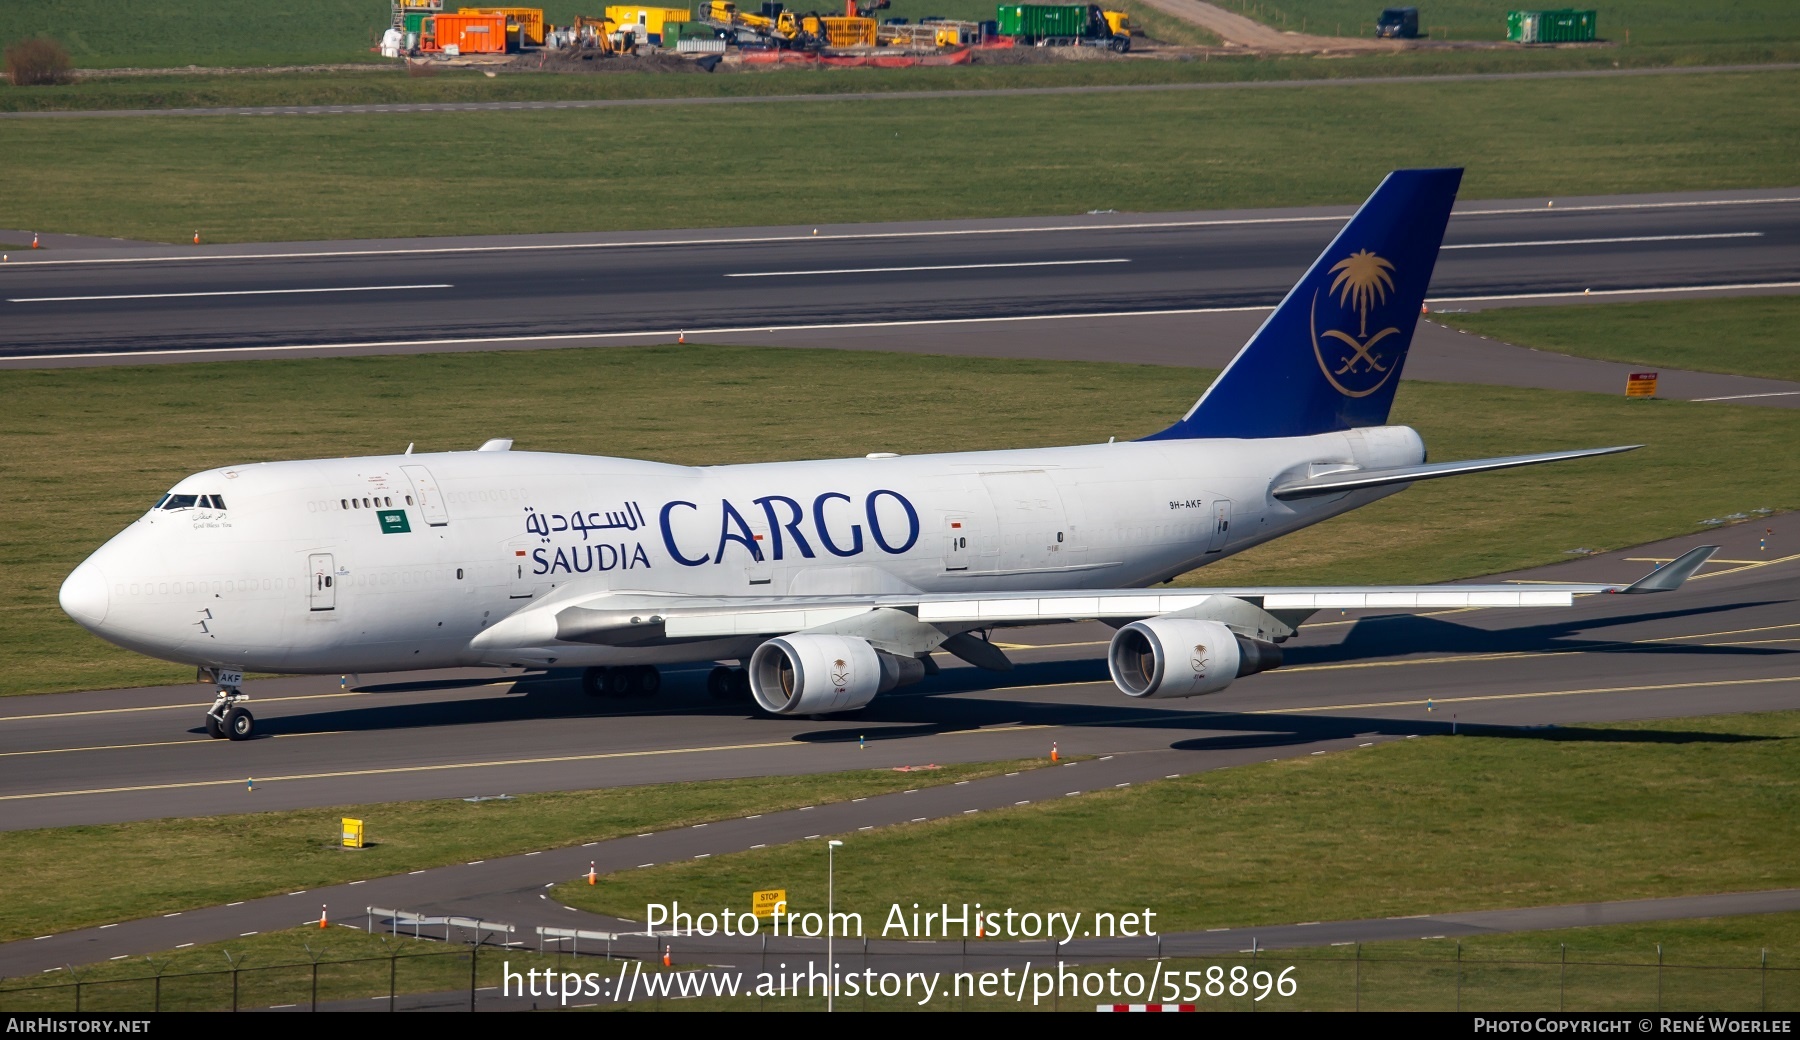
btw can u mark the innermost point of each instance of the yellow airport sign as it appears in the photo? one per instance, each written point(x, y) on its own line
point(1641, 384)
point(765, 904)
point(353, 833)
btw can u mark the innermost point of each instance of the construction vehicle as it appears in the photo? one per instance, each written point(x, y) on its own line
point(600, 34)
point(1065, 25)
point(775, 26)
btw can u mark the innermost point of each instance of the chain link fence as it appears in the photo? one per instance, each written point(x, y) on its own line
point(970, 976)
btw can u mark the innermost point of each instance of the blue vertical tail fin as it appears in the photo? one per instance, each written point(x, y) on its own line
point(1330, 355)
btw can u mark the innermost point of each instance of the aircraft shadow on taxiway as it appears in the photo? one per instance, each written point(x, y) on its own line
point(1230, 730)
point(927, 708)
point(1399, 635)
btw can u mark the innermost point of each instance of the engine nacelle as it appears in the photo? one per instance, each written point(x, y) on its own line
point(1183, 657)
point(815, 674)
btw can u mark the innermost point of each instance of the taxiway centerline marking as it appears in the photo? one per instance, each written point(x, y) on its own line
point(161, 743)
point(167, 707)
point(1603, 241)
point(224, 292)
point(391, 770)
point(924, 267)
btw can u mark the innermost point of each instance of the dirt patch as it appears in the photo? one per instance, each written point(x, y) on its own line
point(594, 62)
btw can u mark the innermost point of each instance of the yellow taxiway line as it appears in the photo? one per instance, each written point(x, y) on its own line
point(604, 756)
point(392, 770)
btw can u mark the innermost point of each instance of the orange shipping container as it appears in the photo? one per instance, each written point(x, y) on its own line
point(530, 21)
point(471, 33)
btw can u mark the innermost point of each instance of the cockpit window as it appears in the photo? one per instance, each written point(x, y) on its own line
point(190, 502)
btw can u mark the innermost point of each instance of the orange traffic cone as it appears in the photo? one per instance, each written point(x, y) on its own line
point(593, 877)
point(321, 915)
point(196, 236)
point(1054, 755)
point(34, 244)
point(668, 956)
point(681, 338)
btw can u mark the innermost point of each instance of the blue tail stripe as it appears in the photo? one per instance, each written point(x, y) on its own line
point(1329, 357)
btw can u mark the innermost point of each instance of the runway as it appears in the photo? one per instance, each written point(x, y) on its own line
point(130, 303)
point(1725, 643)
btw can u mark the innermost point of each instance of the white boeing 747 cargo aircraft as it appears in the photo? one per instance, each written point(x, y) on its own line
point(835, 580)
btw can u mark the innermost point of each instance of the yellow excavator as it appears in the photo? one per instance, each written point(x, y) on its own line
point(775, 25)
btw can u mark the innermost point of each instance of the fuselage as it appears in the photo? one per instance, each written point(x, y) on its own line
point(400, 561)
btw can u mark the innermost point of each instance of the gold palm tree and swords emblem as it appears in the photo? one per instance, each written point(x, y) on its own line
point(1362, 283)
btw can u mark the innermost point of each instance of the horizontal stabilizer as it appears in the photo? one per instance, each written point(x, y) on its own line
point(1352, 480)
point(1669, 578)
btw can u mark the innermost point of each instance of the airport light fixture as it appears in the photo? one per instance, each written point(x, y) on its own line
point(831, 848)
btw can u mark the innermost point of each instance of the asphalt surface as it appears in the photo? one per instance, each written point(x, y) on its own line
point(124, 303)
point(1723, 644)
point(892, 95)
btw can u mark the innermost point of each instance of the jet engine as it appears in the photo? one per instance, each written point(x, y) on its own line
point(1184, 657)
point(808, 674)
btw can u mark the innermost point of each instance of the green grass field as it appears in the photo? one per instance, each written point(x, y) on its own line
point(1749, 336)
point(261, 179)
point(161, 866)
point(178, 89)
point(1432, 825)
point(91, 449)
point(1652, 22)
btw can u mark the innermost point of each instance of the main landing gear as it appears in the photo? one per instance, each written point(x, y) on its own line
point(225, 719)
point(728, 684)
point(637, 680)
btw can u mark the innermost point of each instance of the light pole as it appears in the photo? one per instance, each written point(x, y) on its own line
point(831, 848)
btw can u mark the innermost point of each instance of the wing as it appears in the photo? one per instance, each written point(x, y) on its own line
point(634, 619)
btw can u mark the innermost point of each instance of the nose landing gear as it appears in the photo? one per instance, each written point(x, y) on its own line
point(225, 719)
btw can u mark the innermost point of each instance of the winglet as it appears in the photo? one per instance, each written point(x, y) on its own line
point(1669, 578)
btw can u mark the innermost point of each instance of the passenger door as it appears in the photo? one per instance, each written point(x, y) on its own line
point(322, 582)
point(430, 499)
point(956, 543)
point(1221, 525)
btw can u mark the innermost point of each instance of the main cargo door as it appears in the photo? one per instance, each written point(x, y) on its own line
point(1030, 514)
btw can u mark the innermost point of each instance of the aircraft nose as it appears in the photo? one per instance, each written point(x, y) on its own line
point(84, 595)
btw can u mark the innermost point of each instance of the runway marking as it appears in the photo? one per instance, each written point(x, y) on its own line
point(232, 292)
point(1599, 207)
point(1603, 241)
point(925, 267)
point(733, 330)
point(407, 769)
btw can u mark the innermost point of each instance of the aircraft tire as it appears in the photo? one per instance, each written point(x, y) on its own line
point(240, 724)
point(213, 729)
point(647, 680)
point(593, 681)
point(740, 685)
point(620, 682)
point(718, 684)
